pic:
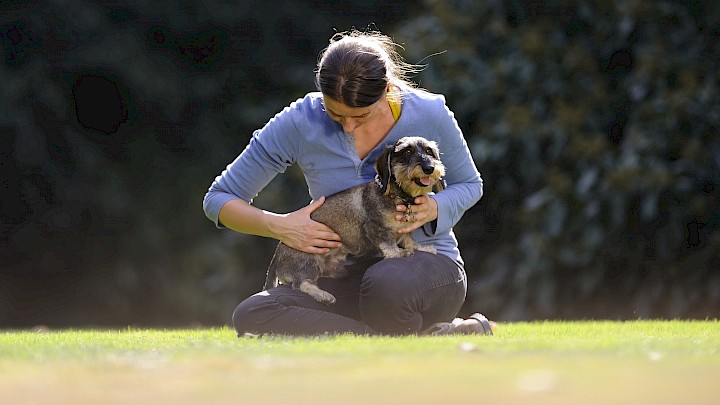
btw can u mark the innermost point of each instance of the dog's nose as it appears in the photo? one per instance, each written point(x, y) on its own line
point(428, 169)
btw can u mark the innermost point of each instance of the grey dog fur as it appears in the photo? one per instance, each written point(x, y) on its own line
point(364, 217)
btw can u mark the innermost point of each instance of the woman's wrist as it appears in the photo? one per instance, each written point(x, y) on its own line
point(273, 224)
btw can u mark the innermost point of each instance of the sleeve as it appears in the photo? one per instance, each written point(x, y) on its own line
point(464, 184)
point(271, 151)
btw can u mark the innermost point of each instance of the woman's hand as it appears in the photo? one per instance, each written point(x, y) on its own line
point(300, 232)
point(423, 210)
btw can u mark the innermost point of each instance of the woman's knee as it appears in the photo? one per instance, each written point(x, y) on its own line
point(382, 286)
point(387, 302)
point(404, 295)
point(253, 311)
point(397, 283)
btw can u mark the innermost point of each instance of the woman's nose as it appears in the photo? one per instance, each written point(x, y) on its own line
point(349, 124)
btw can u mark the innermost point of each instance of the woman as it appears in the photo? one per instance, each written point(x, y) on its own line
point(335, 136)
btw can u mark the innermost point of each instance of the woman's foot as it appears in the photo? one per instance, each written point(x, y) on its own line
point(477, 323)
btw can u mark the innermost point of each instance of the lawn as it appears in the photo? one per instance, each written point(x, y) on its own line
point(636, 362)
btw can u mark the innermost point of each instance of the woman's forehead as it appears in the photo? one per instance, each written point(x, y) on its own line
point(339, 108)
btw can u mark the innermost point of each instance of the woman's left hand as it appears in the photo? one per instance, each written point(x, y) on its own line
point(423, 210)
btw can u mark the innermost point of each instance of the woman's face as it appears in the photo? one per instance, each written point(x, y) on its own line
point(352, 118)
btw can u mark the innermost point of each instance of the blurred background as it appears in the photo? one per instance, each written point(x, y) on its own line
point(594, 125)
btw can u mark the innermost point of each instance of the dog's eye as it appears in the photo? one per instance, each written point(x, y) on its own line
point(430, 152)
point(408, 151)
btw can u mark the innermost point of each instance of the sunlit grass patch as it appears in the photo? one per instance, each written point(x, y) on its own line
point(560, 362)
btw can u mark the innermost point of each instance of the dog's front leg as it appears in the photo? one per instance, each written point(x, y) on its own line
point(332, 265)
point(390, 250)
point(408, 243)
point(407, 246)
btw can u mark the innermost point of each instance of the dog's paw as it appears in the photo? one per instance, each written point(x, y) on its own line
point(316, 292)
point(406, 252)
point(325, 297)
point(427, 248)
point(395, 253)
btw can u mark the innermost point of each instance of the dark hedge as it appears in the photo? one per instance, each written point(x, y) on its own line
point(594, 125)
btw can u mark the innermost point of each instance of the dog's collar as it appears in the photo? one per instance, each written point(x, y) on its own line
point(406, 198)
point(378, 181)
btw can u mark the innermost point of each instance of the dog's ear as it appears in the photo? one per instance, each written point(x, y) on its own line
point(383, 169)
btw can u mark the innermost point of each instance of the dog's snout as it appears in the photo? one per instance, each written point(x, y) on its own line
point(427, 164)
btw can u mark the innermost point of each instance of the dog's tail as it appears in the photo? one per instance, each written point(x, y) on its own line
point(270, 278)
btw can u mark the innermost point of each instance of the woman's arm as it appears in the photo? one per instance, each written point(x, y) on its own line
point(464, 186)
point(295, 229)
point(270, 151)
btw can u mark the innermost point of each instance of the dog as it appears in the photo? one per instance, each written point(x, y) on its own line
point(364, 217)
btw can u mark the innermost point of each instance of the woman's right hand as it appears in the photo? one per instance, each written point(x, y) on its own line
point(300, 232)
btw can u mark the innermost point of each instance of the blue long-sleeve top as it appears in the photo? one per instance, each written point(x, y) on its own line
point(304, 134)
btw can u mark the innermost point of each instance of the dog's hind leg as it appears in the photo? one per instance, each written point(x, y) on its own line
point(310, 288)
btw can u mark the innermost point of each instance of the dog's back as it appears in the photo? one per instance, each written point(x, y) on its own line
point(346, 214)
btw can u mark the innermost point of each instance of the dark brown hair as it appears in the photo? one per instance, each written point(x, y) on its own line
point(356, 68)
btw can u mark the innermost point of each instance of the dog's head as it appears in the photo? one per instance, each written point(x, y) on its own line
point(413, 163)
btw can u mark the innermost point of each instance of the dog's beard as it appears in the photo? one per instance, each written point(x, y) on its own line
point(415, 182)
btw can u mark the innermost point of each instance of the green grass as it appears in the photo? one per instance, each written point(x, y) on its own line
point(657, 362)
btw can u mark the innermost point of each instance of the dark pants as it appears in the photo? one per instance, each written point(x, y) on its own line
point(391, 296)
